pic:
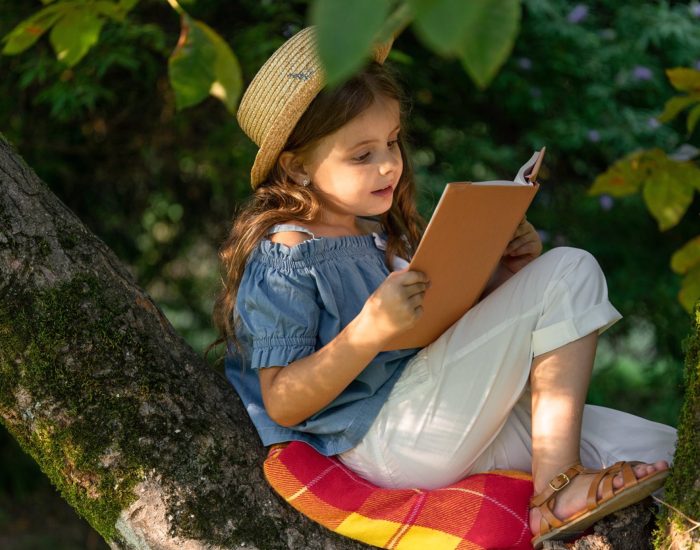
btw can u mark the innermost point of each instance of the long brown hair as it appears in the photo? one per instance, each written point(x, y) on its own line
point(279, 198)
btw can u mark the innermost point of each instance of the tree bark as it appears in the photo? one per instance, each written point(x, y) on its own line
point(139, 435)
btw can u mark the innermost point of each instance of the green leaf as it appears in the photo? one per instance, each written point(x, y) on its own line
point(626, 176)
point(110, 9)
point(684, 79)
point(686, 257)
point(395, 23)
point(685, 171)
point(228, 79)
point(693, 117)
point(346, 32)
point(675, 105)
point(75, 34)
point(203, 64)
point(690, 289)
point(480, 32)
point(667, 198)
point(128, 5)
point(491, 40)
point(191, 65)
point(28, 31)
point(442, 24)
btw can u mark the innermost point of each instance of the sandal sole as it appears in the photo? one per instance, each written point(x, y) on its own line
point(578, 525)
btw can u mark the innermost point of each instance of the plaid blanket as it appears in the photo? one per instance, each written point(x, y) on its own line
point(482, 511)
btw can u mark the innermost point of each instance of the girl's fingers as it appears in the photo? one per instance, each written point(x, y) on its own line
point(412, 277)
point(516, 243)
point(416, 300)
point(524, 250)
point(418, 288)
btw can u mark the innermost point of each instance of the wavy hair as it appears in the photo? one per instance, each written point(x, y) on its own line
point(279, 199)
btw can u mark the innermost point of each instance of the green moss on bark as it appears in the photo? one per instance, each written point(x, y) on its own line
point(682, 490)
point(74, 376)
point(48, 343)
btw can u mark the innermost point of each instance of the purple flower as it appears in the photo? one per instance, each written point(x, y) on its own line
point(578, 14)
point(695, 10)
point(544, 235)
point(606, 202)
point(697, 64)
point(525, 63)
point(593, 135)
point(640, 72)
point(653, 123)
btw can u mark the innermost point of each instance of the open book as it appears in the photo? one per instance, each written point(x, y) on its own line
point(470, 229)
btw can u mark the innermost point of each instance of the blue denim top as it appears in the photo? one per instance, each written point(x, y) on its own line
point(292, 302)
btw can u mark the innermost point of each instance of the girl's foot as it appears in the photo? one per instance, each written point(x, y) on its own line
point(571, 499)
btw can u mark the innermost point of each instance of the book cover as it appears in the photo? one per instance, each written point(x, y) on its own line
point(466, 236)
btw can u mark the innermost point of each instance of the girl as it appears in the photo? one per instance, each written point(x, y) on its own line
point(316, 283)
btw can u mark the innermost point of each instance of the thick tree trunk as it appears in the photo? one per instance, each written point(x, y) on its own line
point(144, 440)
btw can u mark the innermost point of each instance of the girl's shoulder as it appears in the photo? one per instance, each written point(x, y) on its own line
point(290, 233)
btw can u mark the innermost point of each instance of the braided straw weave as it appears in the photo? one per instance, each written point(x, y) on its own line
point(279, 94)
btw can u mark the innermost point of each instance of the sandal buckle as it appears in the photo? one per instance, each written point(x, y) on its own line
point(561, 481)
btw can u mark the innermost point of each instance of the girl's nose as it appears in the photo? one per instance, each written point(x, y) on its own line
point(391, 162)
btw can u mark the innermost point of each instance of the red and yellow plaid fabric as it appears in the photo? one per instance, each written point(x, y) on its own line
point(483, 511)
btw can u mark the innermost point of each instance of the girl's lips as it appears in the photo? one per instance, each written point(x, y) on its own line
point(388, 190)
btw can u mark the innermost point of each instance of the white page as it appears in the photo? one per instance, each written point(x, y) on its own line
point(520, 178)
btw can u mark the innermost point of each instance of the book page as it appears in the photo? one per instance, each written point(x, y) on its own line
point(524, 174)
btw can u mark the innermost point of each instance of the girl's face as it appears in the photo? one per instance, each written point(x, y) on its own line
point(356, 169)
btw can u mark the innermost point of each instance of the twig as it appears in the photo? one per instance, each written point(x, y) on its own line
point(693, 522)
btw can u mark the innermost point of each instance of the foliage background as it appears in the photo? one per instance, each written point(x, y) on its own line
point(160, 186)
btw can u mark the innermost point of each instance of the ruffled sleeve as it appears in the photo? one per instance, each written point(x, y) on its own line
point(279, 308)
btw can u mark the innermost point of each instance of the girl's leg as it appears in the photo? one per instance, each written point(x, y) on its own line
point(559, 382)
point(453, 412)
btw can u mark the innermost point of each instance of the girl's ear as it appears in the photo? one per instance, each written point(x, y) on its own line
point(293, 166)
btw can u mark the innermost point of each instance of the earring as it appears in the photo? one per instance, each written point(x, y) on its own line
point(306, 182)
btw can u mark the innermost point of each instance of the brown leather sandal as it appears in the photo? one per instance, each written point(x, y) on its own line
point(633, 490)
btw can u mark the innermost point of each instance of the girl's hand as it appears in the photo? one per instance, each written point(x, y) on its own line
point(524, 247)
point(395, 306)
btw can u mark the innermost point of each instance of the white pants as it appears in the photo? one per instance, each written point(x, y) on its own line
point(462, 405)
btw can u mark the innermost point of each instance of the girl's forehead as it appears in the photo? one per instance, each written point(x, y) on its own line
point(374, 123)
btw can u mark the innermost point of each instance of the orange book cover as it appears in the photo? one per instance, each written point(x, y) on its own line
point(466, 236)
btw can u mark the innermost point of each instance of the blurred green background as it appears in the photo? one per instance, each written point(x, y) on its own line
point(586, 79)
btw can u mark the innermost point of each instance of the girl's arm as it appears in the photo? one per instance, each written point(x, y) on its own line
point(293, 393)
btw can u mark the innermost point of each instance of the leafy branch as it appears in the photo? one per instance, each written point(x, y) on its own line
point(480, 33)
point(667, 183)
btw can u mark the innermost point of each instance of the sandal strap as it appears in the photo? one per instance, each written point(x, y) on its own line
point(606, 475)
point(544, 500)
point(557, 483)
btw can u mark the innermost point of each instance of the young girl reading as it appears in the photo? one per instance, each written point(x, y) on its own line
point(316, 283)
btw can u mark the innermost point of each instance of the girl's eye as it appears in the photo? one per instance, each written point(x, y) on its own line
point(366, 155)
point(361, 157)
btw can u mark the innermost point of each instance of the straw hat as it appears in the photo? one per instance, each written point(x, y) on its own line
point(280, 93)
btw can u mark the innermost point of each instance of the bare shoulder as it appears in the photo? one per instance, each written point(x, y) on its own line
point(290, 238)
